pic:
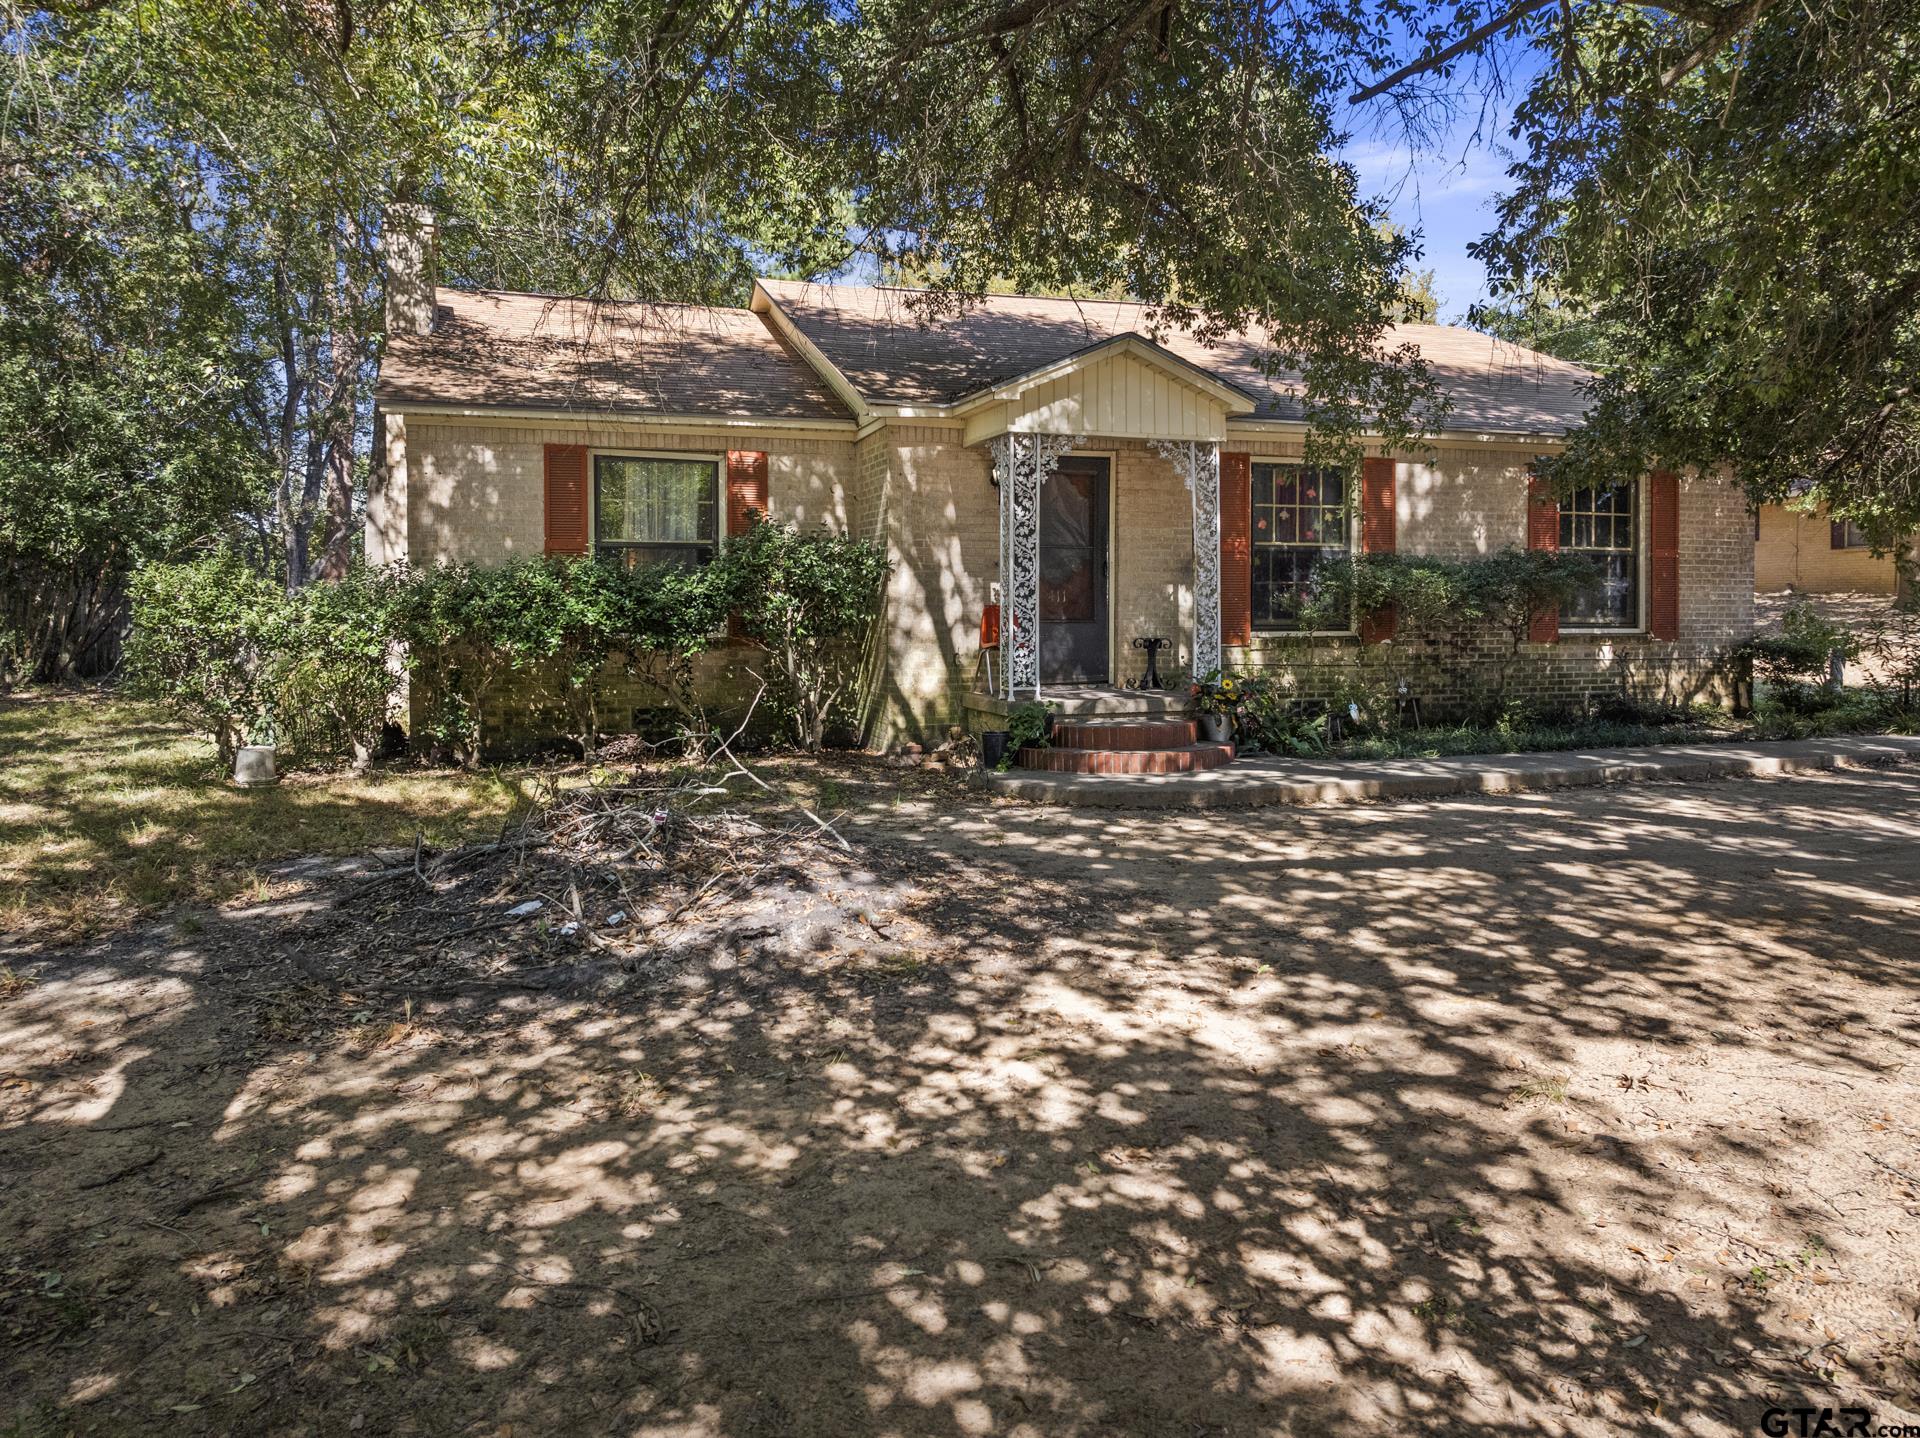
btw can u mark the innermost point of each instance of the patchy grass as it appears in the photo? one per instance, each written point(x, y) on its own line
point(1538, 1088)
point(108, 809)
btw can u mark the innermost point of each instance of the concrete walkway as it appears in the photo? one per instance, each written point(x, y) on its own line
point(1266, 779)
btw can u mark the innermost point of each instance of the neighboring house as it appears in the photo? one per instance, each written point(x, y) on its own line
point(1808, 551)
point(1040, 458)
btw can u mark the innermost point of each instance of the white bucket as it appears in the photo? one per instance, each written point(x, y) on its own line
point(253, 766)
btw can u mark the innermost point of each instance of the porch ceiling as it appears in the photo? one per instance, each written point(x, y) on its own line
point(1125, 388)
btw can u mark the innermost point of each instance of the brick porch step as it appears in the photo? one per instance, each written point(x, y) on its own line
point(1125, 734)
point(1173, 759)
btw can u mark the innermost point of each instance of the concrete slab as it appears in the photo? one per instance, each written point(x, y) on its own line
point(1082, 701)
point(1264, 779)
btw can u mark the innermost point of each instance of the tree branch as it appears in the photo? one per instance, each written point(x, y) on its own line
point(1454, 51)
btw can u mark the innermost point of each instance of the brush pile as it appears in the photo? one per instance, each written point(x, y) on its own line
point(601, 880)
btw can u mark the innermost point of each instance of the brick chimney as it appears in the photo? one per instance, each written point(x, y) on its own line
point(406, 240)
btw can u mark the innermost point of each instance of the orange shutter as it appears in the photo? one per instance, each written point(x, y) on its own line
point(1663, 555)
point(1379, 528)
point(566, 499)
point(1543, 532)
point(746, 489)
point(1236, 549)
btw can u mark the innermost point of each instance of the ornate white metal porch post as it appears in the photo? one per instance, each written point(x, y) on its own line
point(1199, 465)
point(1021, 464)
point(1016, 599)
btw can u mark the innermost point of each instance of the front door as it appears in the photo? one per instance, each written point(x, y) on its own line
point(1073, 574)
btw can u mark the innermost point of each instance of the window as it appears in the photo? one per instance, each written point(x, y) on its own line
point(648, 509)
point(1845, 534)
point(1299, 518)
point(1603, 525)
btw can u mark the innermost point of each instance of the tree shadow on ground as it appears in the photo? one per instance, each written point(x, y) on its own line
point(1576, 1113)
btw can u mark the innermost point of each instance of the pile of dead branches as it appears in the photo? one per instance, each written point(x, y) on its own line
point(606, 868)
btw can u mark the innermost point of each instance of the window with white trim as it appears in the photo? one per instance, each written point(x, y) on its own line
point(1603, 525)
point(1300, 519)
point(650, 509)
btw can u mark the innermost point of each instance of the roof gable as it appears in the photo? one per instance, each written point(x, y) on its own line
point(1126, 387)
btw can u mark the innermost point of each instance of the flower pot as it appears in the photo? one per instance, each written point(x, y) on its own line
point(993, 748)
point(1216, 728)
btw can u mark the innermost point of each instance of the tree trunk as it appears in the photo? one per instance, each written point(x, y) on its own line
point(343, 353)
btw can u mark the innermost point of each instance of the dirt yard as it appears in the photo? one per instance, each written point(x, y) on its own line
point(1587, 1114)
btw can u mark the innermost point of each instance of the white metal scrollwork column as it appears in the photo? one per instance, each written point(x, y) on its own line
point(1199, 465)
point(1021, 464)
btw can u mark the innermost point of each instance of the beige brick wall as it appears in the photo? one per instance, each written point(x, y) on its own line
point(475, 493)
point(1461, 502)
point(942, 522)
point(476, 489)
point(942, 528)
point(1795, 550)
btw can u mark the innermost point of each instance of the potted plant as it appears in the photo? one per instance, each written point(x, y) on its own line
point(1029, 726)
point(1216, 698)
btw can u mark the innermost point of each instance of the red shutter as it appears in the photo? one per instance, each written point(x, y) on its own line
point(1543, 532)
point(1236, 549)
point(1379, 531)
point(1663, 555)
point(746, 488)
point(566, 499)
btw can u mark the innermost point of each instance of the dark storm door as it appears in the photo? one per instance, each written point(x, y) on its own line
point(1073, 574)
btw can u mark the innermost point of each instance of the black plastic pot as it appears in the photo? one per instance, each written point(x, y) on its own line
point(993, 748)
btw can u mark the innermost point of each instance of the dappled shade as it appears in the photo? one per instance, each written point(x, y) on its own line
point(1585, 1113)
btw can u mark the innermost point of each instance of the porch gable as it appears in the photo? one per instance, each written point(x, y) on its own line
point(1126, 387)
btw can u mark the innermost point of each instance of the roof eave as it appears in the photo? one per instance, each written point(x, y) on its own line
point(389, 403)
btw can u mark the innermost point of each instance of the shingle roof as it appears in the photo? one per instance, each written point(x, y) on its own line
point(494, 349)
point(872, 337)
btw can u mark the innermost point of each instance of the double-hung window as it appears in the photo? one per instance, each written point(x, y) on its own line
point(1603, 525)
point(1299, 520)
point(648, 509)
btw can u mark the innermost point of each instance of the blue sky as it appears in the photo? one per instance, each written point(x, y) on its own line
point(1444, 193)
point(1444, 199)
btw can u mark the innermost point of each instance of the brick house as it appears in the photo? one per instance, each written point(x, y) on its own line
point(1810, 551)
point(1041, 459)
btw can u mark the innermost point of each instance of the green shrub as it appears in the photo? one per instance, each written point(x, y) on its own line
point(563, 616)
point(228, 648)
point(675, 612)
point(447, 618)
point(203, 639)
point(1893, 643)
point(1443, 604)
point(337, 667)
point(807, 598)
point(1802, 651)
